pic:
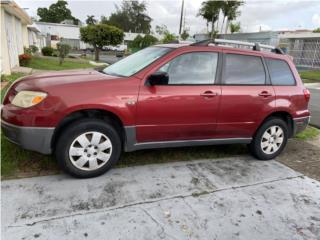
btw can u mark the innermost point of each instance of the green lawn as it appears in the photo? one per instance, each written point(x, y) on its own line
point(17, 162)
point(309, 133)
point(310, 76)
point(12, 77)
point(53, 64)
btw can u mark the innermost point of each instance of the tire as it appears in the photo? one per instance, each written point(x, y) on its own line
point(260, 145)
point(88, 148)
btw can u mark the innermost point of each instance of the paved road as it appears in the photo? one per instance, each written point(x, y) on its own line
point(315, 105)
point(236, 198)
point(110, 59)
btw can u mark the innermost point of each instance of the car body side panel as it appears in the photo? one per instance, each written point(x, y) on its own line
point(242, 110)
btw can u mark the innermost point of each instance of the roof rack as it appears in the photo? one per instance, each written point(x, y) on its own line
point(234, 43)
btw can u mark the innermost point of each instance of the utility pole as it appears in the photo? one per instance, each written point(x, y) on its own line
point(181, 18)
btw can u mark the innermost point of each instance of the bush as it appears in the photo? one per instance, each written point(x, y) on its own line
point(34, 49)
point(63, 51)
point(47, 51)
point(25, 59)
point(27, 50)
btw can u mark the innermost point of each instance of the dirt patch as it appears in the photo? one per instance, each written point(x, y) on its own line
point(303, 156)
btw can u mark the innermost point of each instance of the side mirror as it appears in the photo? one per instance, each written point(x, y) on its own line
point(158, 78)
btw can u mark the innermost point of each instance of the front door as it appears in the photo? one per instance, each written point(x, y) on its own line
point(184, 108)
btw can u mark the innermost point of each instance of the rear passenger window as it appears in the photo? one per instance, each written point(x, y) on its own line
point(244, 70)
point(280, 73)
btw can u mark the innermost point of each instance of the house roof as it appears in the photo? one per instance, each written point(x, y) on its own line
point(14, 9)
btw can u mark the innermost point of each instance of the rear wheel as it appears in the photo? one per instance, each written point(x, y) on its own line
point(270, 139)
point(88, 148)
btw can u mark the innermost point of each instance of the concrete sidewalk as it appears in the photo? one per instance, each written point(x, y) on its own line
point(238, 198)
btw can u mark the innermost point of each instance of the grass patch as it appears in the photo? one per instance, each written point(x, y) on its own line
point(308, 133)
point(17, 162)
point(11, 78)
point(310, 76)
point(53, 64)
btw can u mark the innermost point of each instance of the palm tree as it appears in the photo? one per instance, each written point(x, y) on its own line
point(234, 27)
point(91, 20)
point(210, 12)
point(230, 11)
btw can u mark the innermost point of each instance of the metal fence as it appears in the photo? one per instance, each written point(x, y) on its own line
point(305, 52)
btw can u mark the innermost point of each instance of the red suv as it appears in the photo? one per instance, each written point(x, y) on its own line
point(167, 95)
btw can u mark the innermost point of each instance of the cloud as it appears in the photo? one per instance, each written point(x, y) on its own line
point(316, 20)
point(269, 14)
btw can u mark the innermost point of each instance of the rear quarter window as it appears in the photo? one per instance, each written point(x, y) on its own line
point(280, 73)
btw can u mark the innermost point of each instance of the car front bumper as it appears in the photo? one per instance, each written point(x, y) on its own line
point(300, 124)
point(36, 139)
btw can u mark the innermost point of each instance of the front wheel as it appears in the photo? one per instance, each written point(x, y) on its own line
point(88, 148)
point(270, 139)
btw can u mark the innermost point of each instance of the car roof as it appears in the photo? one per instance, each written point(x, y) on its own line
point(222, 47)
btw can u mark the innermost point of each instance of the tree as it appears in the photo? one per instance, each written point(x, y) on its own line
point(317, 30)
point(91, 20)
point(230, 11)
point(56, 13)
point(63, 51)
point(234, 27)
point(184, 34)
point(131, 16)
point(210, 12)
point(162, 29)
point(100, 35)
point(168, 37)
point(142, 42)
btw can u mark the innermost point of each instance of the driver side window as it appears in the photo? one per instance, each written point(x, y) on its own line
point(192, 69)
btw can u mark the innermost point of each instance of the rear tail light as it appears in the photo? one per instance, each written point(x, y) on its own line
point(306, 93)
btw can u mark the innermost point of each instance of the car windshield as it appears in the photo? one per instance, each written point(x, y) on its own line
point(135, 62)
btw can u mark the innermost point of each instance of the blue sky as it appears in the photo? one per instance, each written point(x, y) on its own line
point(267, 15)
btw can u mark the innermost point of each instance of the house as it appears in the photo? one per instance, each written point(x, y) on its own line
point(61, 32)
point(14, 34)
point(36, 37)
point(265, 37)
point(304, 46)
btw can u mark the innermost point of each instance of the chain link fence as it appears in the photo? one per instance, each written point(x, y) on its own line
point(305, 52)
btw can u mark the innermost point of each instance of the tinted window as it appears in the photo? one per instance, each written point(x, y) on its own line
point(280, 72)
point(244, 70)
point(192, 68)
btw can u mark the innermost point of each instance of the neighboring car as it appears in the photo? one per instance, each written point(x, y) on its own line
point(167, 95)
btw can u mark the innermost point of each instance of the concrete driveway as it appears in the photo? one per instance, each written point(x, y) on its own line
point(236, 198)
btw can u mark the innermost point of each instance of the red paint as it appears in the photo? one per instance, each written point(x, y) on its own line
point(159, 112)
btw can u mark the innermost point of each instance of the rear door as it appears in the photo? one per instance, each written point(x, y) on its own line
point(184, 109)
point(247, 95)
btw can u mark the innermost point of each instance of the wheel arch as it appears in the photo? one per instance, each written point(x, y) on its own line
point(284, 115)
point(97, 113)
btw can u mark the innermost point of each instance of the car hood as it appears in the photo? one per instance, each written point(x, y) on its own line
point(47, 80)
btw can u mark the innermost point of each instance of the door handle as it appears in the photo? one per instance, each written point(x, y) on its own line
point(265, 94)
point(209, 94)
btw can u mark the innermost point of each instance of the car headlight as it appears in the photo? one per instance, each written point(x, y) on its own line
point(27, 99)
